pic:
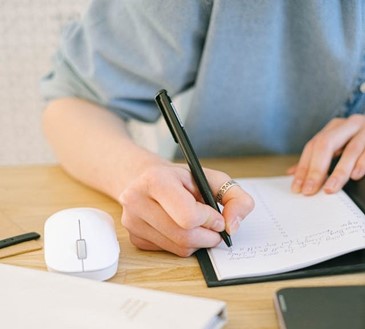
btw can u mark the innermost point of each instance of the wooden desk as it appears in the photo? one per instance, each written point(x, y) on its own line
point(29, 195)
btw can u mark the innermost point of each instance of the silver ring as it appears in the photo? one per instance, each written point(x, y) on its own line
point(224, 188)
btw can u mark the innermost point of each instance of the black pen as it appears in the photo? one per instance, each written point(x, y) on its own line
point(173, 121)
point(13, 240)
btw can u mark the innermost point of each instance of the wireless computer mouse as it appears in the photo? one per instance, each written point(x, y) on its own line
point(81, 242)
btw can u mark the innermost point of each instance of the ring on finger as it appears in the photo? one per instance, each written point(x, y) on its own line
point(224, 188)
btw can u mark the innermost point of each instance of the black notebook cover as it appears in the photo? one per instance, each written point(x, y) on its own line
point(349, 263)
point(334, 307)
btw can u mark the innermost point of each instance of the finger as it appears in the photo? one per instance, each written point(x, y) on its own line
point(291, 170)
point(182, 205)
point(302, 168)
point(237, 204)
point(316, 174)
point(347, 163)
point(235, 210)
point(161, 221)
point(359, 170)
point(152, 223)
point(323, 147)
point(142, 243)
point(154, 240)
point(168, 236)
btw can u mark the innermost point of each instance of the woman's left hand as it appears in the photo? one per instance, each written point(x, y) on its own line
point(344, 137)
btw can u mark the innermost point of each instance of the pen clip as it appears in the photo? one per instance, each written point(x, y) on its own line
point(162, 98)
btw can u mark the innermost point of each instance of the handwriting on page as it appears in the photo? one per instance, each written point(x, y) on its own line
point(278, 241)
point(287, 231)
point(289, 246)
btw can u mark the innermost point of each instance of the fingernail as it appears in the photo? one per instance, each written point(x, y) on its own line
point(218, 225)
point(331, 185)
point(235, 225)
point(308, 187)
point(356, 173)
point(297, 185)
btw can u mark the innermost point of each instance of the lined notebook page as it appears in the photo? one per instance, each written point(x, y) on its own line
point(288, 231)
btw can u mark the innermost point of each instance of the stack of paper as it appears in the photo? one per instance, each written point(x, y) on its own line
point(36, 299)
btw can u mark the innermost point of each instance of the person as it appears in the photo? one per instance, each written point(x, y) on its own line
point(268, 77)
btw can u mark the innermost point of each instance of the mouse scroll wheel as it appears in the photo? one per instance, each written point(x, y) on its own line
point(81, 249)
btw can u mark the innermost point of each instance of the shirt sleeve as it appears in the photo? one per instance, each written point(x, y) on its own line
point(122, 52)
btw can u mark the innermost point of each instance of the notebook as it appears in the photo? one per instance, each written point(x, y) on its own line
point(290, 235)
point(335, 307)
point(38, 299)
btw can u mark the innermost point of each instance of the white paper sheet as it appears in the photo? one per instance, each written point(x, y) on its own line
point(288, 231)
point(37, 299)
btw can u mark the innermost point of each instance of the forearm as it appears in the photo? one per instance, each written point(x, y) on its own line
point(93, 145)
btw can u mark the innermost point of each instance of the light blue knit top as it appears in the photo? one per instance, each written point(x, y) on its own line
point(268, 74)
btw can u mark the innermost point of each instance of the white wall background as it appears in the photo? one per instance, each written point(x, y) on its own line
point(29, 36)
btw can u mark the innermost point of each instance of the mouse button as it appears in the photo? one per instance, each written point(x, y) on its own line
point(59, 247)
point(81, 249)
point(98, 263)
point(95, 224)
point(61, 232)
point(96, 231)
point(101, 255)
point(61, 255)
point(63, 261)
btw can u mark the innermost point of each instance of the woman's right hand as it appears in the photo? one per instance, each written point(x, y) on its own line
point(163, 210)
point(162, 207)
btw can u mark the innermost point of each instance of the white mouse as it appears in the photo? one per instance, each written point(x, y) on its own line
point(81, 242)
